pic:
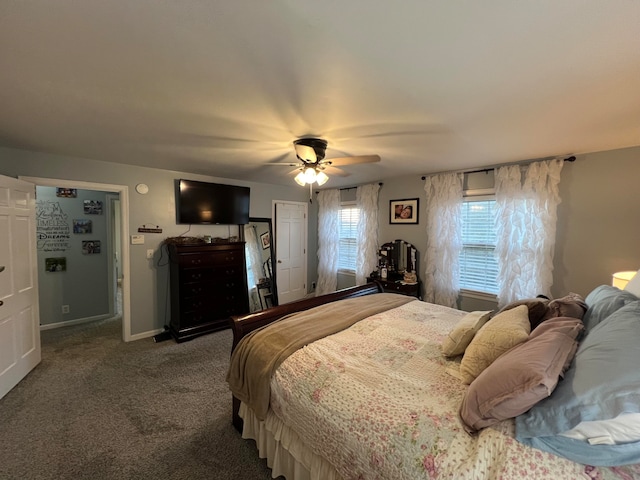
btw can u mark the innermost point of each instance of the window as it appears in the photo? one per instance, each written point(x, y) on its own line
point(348, 241)
point(478, 265)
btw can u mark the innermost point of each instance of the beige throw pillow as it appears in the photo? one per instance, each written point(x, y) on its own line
point(522, 376)
point(502, 332)
point(464, 331)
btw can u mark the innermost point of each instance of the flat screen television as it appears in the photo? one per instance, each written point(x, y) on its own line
point(211, 203)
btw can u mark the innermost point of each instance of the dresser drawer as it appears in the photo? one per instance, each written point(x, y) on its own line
point(225, 257)
point(213, 287)
point(211, 274)
point(214, 306)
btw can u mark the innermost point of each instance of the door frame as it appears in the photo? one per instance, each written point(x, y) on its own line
point(123, 192)
point(112, 244)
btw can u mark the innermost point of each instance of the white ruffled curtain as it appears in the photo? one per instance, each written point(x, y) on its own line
point(444, 238)
point(328, 238)
point(526, 228)
point(367, 254)
point(254, 266)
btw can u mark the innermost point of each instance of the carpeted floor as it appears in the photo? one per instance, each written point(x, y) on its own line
point(99, 408)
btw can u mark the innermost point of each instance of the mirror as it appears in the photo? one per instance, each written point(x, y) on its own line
point(261, 281)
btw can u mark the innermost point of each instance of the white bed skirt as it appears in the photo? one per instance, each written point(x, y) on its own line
point(285, 452)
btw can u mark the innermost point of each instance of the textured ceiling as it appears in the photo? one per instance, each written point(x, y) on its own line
point(223, 87)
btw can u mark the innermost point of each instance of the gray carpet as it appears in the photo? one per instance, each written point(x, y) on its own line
point(99, 408)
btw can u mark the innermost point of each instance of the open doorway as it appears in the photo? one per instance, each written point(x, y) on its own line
point(119, 193)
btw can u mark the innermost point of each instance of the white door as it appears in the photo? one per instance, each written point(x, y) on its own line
point(19, 315)
point(291, 250)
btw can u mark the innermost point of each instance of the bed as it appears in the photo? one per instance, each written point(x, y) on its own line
point(373, 395)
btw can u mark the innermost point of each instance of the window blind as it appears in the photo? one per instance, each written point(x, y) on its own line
point(348, 242)
point(478, 265)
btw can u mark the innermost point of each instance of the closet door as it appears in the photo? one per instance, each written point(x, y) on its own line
point(291, 250)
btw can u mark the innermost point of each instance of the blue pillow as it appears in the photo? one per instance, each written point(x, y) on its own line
point(602, 302)
point(602, 383)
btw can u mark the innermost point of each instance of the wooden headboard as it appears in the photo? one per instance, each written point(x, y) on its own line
point(244, 324)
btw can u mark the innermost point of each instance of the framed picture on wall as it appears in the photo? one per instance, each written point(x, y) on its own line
point(89, 247)
point(82, 226)
point(404, 211)
point(55, 264)
point(66, 192)
point(265, 240)
point(93, 207)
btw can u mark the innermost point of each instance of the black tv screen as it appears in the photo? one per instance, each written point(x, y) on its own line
point(211, 203)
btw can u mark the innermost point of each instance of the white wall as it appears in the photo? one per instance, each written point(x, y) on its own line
point(598, 230)
point(149, 278)
point(598, 220)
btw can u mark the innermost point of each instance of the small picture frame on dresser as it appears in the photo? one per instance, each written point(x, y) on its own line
point(404, 210)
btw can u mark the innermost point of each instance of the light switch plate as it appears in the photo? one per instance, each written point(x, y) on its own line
point(137, 239)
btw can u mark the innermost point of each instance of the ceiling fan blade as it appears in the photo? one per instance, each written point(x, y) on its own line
point(352, 160)
point(306, 153)
point(288, 164)
point(331, 170)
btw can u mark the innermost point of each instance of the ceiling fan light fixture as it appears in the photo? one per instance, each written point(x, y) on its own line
point(322, 178)
point(300, 180)
point(310, 174)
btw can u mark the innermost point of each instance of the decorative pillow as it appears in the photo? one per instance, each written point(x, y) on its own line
point(498, 335)
point(464, 331)
point(537, 309)
point(601, 384)
point(603, 301)
point(571, 305)
point(523, 376)
point(634, 285)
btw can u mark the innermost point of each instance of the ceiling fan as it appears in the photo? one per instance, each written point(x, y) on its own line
point(312, 163)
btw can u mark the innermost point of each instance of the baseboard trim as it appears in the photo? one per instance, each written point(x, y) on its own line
point(77, 321)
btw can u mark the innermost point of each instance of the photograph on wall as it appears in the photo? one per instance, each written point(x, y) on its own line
point(93, 207)
point(404, 211)
point(82, 226)
point(55, 264)
point(265, 240)
point(66, 192)
point(89, 247)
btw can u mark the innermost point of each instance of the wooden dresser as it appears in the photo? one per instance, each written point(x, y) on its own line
point(208, 285)
point(412, 290)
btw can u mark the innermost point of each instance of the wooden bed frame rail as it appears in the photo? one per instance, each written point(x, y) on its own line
point(241, 325)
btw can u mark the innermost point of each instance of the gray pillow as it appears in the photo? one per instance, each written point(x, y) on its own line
point(602, 302)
